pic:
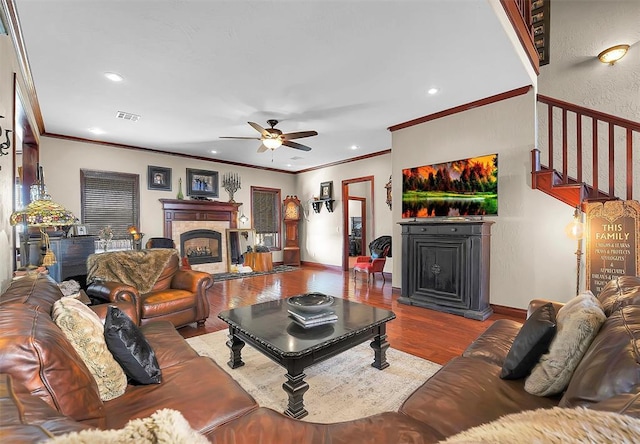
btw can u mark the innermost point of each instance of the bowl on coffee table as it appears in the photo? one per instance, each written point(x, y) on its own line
point(310, 302)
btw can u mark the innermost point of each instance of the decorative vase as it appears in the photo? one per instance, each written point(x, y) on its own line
point(180, 195)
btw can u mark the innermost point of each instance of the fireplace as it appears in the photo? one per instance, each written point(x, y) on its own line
point(201, 246)
point(183, 216)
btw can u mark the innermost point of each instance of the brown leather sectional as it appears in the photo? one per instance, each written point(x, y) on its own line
point(45, 391)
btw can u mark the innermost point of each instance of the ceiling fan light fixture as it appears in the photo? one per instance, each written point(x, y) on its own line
point(613, 54)
point(272, 144)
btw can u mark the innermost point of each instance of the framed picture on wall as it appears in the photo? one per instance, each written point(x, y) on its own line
point(326, 190)
point(202, 183)
point(158, 178)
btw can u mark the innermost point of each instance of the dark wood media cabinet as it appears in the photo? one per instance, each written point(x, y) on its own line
point(446, 266)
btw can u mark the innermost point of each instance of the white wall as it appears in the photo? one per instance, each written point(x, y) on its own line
point(530, 254)
point(63, 159)
point(321, 233)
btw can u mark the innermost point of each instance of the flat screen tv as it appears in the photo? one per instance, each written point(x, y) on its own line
point(462, 188)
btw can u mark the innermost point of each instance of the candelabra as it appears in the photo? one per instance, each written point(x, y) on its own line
point(231, 183)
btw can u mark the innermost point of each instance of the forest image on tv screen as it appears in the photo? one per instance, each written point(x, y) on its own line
point(467, 187)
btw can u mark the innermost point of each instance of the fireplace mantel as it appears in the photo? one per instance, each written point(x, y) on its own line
point(198, 210)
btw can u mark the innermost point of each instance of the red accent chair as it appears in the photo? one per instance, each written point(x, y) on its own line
point(380, 248)
point(369, 265)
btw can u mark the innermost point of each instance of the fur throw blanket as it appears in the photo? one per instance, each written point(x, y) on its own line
point(139, 269)
point(556, 425)
point(163, 427)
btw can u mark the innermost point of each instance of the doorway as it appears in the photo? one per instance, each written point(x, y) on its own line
point(357, 223)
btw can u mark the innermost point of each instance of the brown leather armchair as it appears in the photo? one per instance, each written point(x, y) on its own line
point(178, 296)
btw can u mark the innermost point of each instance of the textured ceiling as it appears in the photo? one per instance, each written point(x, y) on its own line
point(198, 70)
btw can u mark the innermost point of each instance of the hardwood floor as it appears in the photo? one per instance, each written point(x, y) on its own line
point(426, 333)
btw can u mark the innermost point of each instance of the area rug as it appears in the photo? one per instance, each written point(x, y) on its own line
point(341, 388)
point(276, 269)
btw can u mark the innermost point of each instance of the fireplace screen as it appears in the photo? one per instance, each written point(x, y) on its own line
point(201, 246)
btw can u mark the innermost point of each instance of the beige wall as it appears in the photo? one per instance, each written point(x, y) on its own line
point(530, 254)
point(321, 233)
point(579, 32)
point(63, 159)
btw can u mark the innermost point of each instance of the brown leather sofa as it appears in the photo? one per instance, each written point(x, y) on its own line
point(465, 393)
point(39, 361)
point(178, 296)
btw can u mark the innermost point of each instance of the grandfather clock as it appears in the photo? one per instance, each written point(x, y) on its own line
point(291, 253)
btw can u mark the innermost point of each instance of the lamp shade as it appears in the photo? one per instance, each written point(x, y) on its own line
point(272, 144)
point(43, 213)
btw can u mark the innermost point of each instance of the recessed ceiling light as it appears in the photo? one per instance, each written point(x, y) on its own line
point(96, 131)
point(114, 77)
point(214, 152)
point(288, 164)
point(354, 147)
point(432, 91)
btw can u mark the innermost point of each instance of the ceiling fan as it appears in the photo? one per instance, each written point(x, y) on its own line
point(273, 138)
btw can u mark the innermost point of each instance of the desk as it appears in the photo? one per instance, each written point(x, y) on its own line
point(259, 261)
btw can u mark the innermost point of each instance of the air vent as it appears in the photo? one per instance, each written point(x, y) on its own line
point(128, 116)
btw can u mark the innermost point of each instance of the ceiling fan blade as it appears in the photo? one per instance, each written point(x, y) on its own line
point(262, 148)
point(296, 145)
point(299, 135)
point(260, 129)
point(233, 137)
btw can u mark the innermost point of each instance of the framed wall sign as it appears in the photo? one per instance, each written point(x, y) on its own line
point(326, 190)
point(202, 183)
point(158, 178)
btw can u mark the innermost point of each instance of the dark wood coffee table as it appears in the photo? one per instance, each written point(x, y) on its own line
point(268, 328)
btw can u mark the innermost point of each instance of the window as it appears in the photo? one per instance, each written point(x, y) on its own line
point(265, 214)
point(112, 199)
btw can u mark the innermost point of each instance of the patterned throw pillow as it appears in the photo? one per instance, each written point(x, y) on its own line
point(85, 332)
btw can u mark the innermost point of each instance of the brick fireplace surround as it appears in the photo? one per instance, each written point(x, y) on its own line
point(185, 215)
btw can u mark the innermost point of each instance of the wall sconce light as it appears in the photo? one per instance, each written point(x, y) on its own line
point(7, 143)
point(575, 231)
point(613, 54)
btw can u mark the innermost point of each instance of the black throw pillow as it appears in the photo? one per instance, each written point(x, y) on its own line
point(130, 348)
point(531, 342)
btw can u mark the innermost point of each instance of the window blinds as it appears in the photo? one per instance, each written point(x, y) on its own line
point(265, 209)
point(110, 199)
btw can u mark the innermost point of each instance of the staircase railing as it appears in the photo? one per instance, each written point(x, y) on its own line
point(519, 14)
point(589, 147)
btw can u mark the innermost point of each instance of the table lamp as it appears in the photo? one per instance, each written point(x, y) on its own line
point(44, 213)
point(136, 237)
